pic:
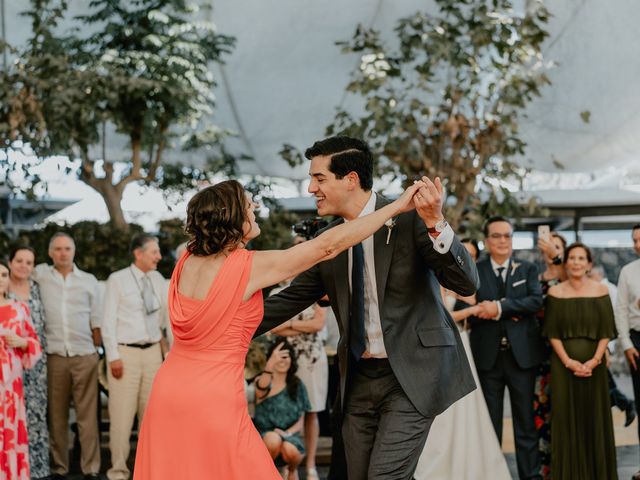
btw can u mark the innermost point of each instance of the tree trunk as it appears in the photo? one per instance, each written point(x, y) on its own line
point(113, 200)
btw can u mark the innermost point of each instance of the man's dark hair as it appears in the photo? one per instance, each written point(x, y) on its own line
point(347, 155)
point(139, 241)
point(635, 227)
point(494, 219)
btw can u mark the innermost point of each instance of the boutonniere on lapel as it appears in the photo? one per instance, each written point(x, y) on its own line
point(389, 224)
point(514, 266)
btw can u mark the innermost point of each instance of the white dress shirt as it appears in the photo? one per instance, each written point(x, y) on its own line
point(72, 309)
point(627, 306)
point(374, 341)
point(124, 319)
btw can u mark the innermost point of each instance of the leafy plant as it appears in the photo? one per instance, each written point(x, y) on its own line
point(143, 72)
point(447, 99)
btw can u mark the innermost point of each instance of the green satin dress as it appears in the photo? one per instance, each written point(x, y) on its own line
point(582, 441)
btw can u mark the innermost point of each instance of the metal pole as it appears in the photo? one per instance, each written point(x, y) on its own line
point(4, 35)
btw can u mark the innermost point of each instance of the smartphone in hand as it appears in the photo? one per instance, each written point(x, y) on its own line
point(544, 231)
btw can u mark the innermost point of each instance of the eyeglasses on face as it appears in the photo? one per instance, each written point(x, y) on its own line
point(498, 236)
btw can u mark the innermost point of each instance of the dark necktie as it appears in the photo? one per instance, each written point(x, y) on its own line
point(356, 322)
point(502, 287)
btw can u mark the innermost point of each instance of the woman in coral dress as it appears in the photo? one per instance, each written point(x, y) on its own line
point(19, 349)
point(196, 425)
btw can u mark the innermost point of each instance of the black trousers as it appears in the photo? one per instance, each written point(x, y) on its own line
point(618, 399)
point(521, 383)
point(635, 374)
point(383, 433)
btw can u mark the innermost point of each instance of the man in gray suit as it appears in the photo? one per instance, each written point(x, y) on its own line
point(400, 356)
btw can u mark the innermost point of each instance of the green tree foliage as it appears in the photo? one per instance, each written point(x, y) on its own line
point(139, 67)
point(101, 248)
point(447, 99)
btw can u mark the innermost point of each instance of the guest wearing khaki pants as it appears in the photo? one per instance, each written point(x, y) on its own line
point(74, 378)
point(128, 396)
point(71, 301)
point(135, 316)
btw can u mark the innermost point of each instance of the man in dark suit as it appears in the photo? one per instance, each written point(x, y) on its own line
point(505, 339)
point(400, 356)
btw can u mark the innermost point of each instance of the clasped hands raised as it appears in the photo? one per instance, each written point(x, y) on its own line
point(427, 197)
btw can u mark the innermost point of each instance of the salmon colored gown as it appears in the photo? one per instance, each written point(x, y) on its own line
point(196, 424)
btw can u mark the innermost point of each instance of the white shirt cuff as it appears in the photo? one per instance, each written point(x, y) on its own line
point(497, 317)
point(112, 354)
point(442, 243)
point(626, 343)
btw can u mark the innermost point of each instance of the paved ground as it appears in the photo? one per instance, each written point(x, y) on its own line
point(628, 453)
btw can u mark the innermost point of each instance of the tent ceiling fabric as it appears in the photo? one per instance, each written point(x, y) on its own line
point(286, 76)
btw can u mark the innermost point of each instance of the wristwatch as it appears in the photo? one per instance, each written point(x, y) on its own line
point(438, 227)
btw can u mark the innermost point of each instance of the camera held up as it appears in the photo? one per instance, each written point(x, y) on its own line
point(308, 227)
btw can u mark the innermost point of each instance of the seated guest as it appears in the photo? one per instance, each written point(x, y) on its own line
point(579, 323)
point(281, 404)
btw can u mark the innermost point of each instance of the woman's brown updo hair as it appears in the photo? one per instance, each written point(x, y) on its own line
point(216, 217)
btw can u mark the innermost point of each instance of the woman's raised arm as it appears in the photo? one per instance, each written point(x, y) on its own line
point(273, 266)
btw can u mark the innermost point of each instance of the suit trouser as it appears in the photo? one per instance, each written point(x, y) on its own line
point(617, 398)
point(77, 378)
point(521, 383)
point(128, 395)
point(338, 466)
point(635, 374)
point(383, 432)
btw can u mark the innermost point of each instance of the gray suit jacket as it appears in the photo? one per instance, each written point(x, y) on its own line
point(421, 340)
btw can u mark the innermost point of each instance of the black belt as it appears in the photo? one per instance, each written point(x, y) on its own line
point(138, 345)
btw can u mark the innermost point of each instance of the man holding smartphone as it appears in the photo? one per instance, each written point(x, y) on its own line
point(627, 311)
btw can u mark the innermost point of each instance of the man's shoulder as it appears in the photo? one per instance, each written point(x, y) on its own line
point(119, 273)
point(90, 277)
point(42, 267)
point(484, 262)
point(631, 266)
point(525, 264)
point(156, 275)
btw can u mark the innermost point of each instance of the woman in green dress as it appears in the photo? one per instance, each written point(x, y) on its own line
point(281, 403)
point(579, 323)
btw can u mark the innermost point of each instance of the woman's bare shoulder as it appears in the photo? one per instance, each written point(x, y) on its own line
point(557, 290)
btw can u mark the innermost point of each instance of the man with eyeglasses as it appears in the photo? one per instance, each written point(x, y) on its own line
point(135, 317)
point(505, 339)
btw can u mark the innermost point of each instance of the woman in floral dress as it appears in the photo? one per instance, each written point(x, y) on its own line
point(21, 287)
point(19, 349)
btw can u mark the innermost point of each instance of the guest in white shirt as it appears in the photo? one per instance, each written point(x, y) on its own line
point(72, 307)
point(135, 316)
point(627, 309)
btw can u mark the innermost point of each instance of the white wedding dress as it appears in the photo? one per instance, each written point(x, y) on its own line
point(462, 443)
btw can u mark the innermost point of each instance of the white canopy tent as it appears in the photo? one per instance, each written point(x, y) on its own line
point(286, 76)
